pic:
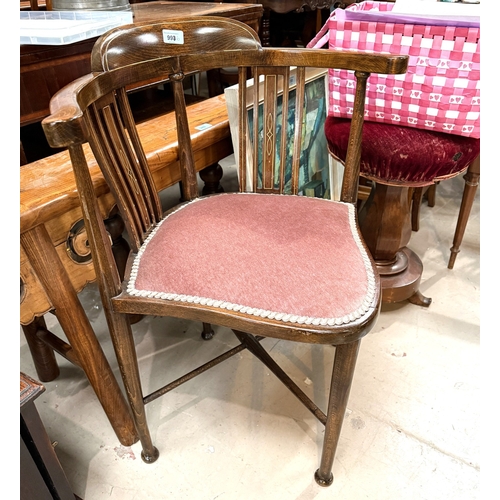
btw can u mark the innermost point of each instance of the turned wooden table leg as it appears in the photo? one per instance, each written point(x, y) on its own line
point(385, 223)
point(431, 195)
point(43, 356)
point(211, 176)
point(75, 324)
point(471, 184)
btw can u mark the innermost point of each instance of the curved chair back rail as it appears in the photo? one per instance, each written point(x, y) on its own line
point(259, 240)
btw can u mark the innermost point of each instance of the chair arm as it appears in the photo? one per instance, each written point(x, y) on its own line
point(65, 125)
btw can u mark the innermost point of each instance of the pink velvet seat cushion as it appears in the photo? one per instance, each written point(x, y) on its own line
point(393, 154)
point(289, 258)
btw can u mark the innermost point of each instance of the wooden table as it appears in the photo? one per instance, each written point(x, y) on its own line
point(56, 263)
point(45, 69)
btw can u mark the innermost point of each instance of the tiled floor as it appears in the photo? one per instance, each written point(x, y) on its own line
point(411, 430)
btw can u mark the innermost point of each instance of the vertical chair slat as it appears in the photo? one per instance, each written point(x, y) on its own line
point(298, 130)
point(124, 165)
point(275, 142)
point(188, 172)
point(269, 115)
point(242, 122)
point(281, 181)
point(144, 173)
point(350, 182)
point(255, 130)
point(106, 156)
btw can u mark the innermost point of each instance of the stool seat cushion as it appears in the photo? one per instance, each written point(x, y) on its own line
point(397, 155)
point(289, 258)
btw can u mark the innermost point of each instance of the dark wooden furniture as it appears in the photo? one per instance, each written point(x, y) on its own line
point(471, 184)
point(55, 259)
point(397, 159)
point(417, 197)
point(45, 69)
point(286, 6)
point(262, 281)
point(471, 179)
point(41, 474)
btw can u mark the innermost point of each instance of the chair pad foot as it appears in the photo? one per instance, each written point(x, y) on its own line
point(208, 332)
point(321, 481)
point(149, 459)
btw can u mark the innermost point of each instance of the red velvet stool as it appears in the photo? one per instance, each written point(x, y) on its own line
point(396, 159)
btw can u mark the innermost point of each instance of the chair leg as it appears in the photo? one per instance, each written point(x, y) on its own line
point(431, 195)
point(343, 371)
point(123, 342)
point(208, 332)
point(417, 197)
point(471, 184)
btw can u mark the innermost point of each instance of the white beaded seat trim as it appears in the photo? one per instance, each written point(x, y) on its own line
point(367, 304)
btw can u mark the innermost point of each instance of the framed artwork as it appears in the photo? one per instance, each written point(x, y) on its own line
point(318, 174)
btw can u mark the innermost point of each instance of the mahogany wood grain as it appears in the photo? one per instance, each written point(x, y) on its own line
point(45, 69)
point(161, 10)
point(388, 207)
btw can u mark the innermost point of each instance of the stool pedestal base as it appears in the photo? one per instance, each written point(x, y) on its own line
point(386, 227)
point(404, 285)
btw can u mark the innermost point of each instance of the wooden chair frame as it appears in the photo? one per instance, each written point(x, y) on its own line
point(95, 109)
